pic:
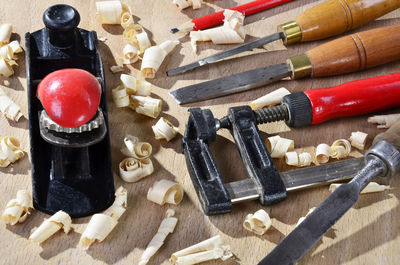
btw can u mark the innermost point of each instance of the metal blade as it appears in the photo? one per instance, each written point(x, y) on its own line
point(315, 225)
point(300, 178)
point(231, 84)
point(216, 57)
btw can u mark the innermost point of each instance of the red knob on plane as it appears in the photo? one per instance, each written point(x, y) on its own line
point(70, 96)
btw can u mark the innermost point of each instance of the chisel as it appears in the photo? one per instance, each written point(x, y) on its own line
point(382, 160)
point(328, 19)
point(355, 52)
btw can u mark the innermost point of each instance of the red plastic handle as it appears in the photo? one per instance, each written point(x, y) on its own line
point(355, 98)
point(216, 19)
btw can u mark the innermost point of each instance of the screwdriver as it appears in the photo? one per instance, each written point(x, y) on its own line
point(355, 52)
point(318, 105)
point(327, 19)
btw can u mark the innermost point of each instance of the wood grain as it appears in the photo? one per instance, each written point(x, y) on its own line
point(334, 17)
point(367, 234)
point(356, 52)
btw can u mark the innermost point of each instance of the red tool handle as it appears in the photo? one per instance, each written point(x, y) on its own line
point(216, 19)
point(355, 98)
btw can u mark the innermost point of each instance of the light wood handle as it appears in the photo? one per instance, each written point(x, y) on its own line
point(356, 52)
point(334, 17)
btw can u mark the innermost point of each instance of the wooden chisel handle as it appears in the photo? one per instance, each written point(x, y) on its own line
point(335, 17)
point(352, 53)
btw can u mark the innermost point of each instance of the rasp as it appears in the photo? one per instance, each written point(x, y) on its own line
point(382, 160)
point(311, 25)
point(352, 53)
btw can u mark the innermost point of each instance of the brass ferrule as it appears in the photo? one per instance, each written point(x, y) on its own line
point(300, 66)
point(292, 32)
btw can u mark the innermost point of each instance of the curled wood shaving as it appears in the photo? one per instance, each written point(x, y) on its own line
point(137, 36)
point(50, 226)
point(154, 56)
point(298, 159)
point(358, 140)
point(323, 153)
point(18, 209)
point(6, 53)
point(100, 225)
point(340, 148)
point(167, 226)
point(163, 129)
point(209, 249)
point(9, 108)
point(109, 12)
point(384, 121)
point(126, 19)
point(15, 46)
point(130, 53)
point(270, 99)
point(370, 188)
point(132, 170)
point(5, 33)
point(133, 148)
point(120, 97)
point(301, 219)
point(259, 222)
point(278, 146)
point(232, 31)
point(146, 105)
point(165, 191)
point(10, 151)
point(135, 86)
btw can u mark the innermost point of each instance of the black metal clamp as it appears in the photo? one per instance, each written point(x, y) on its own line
point(214, 195)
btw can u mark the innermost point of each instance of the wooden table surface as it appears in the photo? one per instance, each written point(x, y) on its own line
point(367, 234)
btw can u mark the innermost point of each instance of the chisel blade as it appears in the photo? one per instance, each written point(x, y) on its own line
point(216, 57)
point(231, 84)
point(317, 223)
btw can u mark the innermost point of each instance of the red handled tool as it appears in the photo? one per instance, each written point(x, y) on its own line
point(314, 106)
point(216, 19)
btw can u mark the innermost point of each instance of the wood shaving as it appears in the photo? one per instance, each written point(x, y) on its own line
point(323, 153)
point(109, 12)
point(5, 33)
point(259, 222)
point(298, 159)
point(163, 129)
point(10, 151)
point(370, 188)
point(50, 226)
point(116, 69)
point(232, 31)
point(133, 170)
point(9, 108)
point(130, 53)
point(167, 226)
point(101, 225)
point(206, 250)
point(278, 146)
point(270, 99)
point(135, 86)
point(120, 97)
point(301, 219)
point(165, 191)
point(154, 56)
point(6, 53)
point(146, 105)
point(340, 148)
point(358, 140)
point(126, 19)
point(384, 121)
point(133, 148)
point(182, 4)
point(18, 209)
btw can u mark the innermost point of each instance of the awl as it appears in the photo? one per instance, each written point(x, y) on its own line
point(382, 160)
point(347, 54)
point(343, 15)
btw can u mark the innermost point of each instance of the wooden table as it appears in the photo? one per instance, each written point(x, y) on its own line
point(367, 234)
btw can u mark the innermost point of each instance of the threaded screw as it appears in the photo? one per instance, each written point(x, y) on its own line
point(276, 113)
